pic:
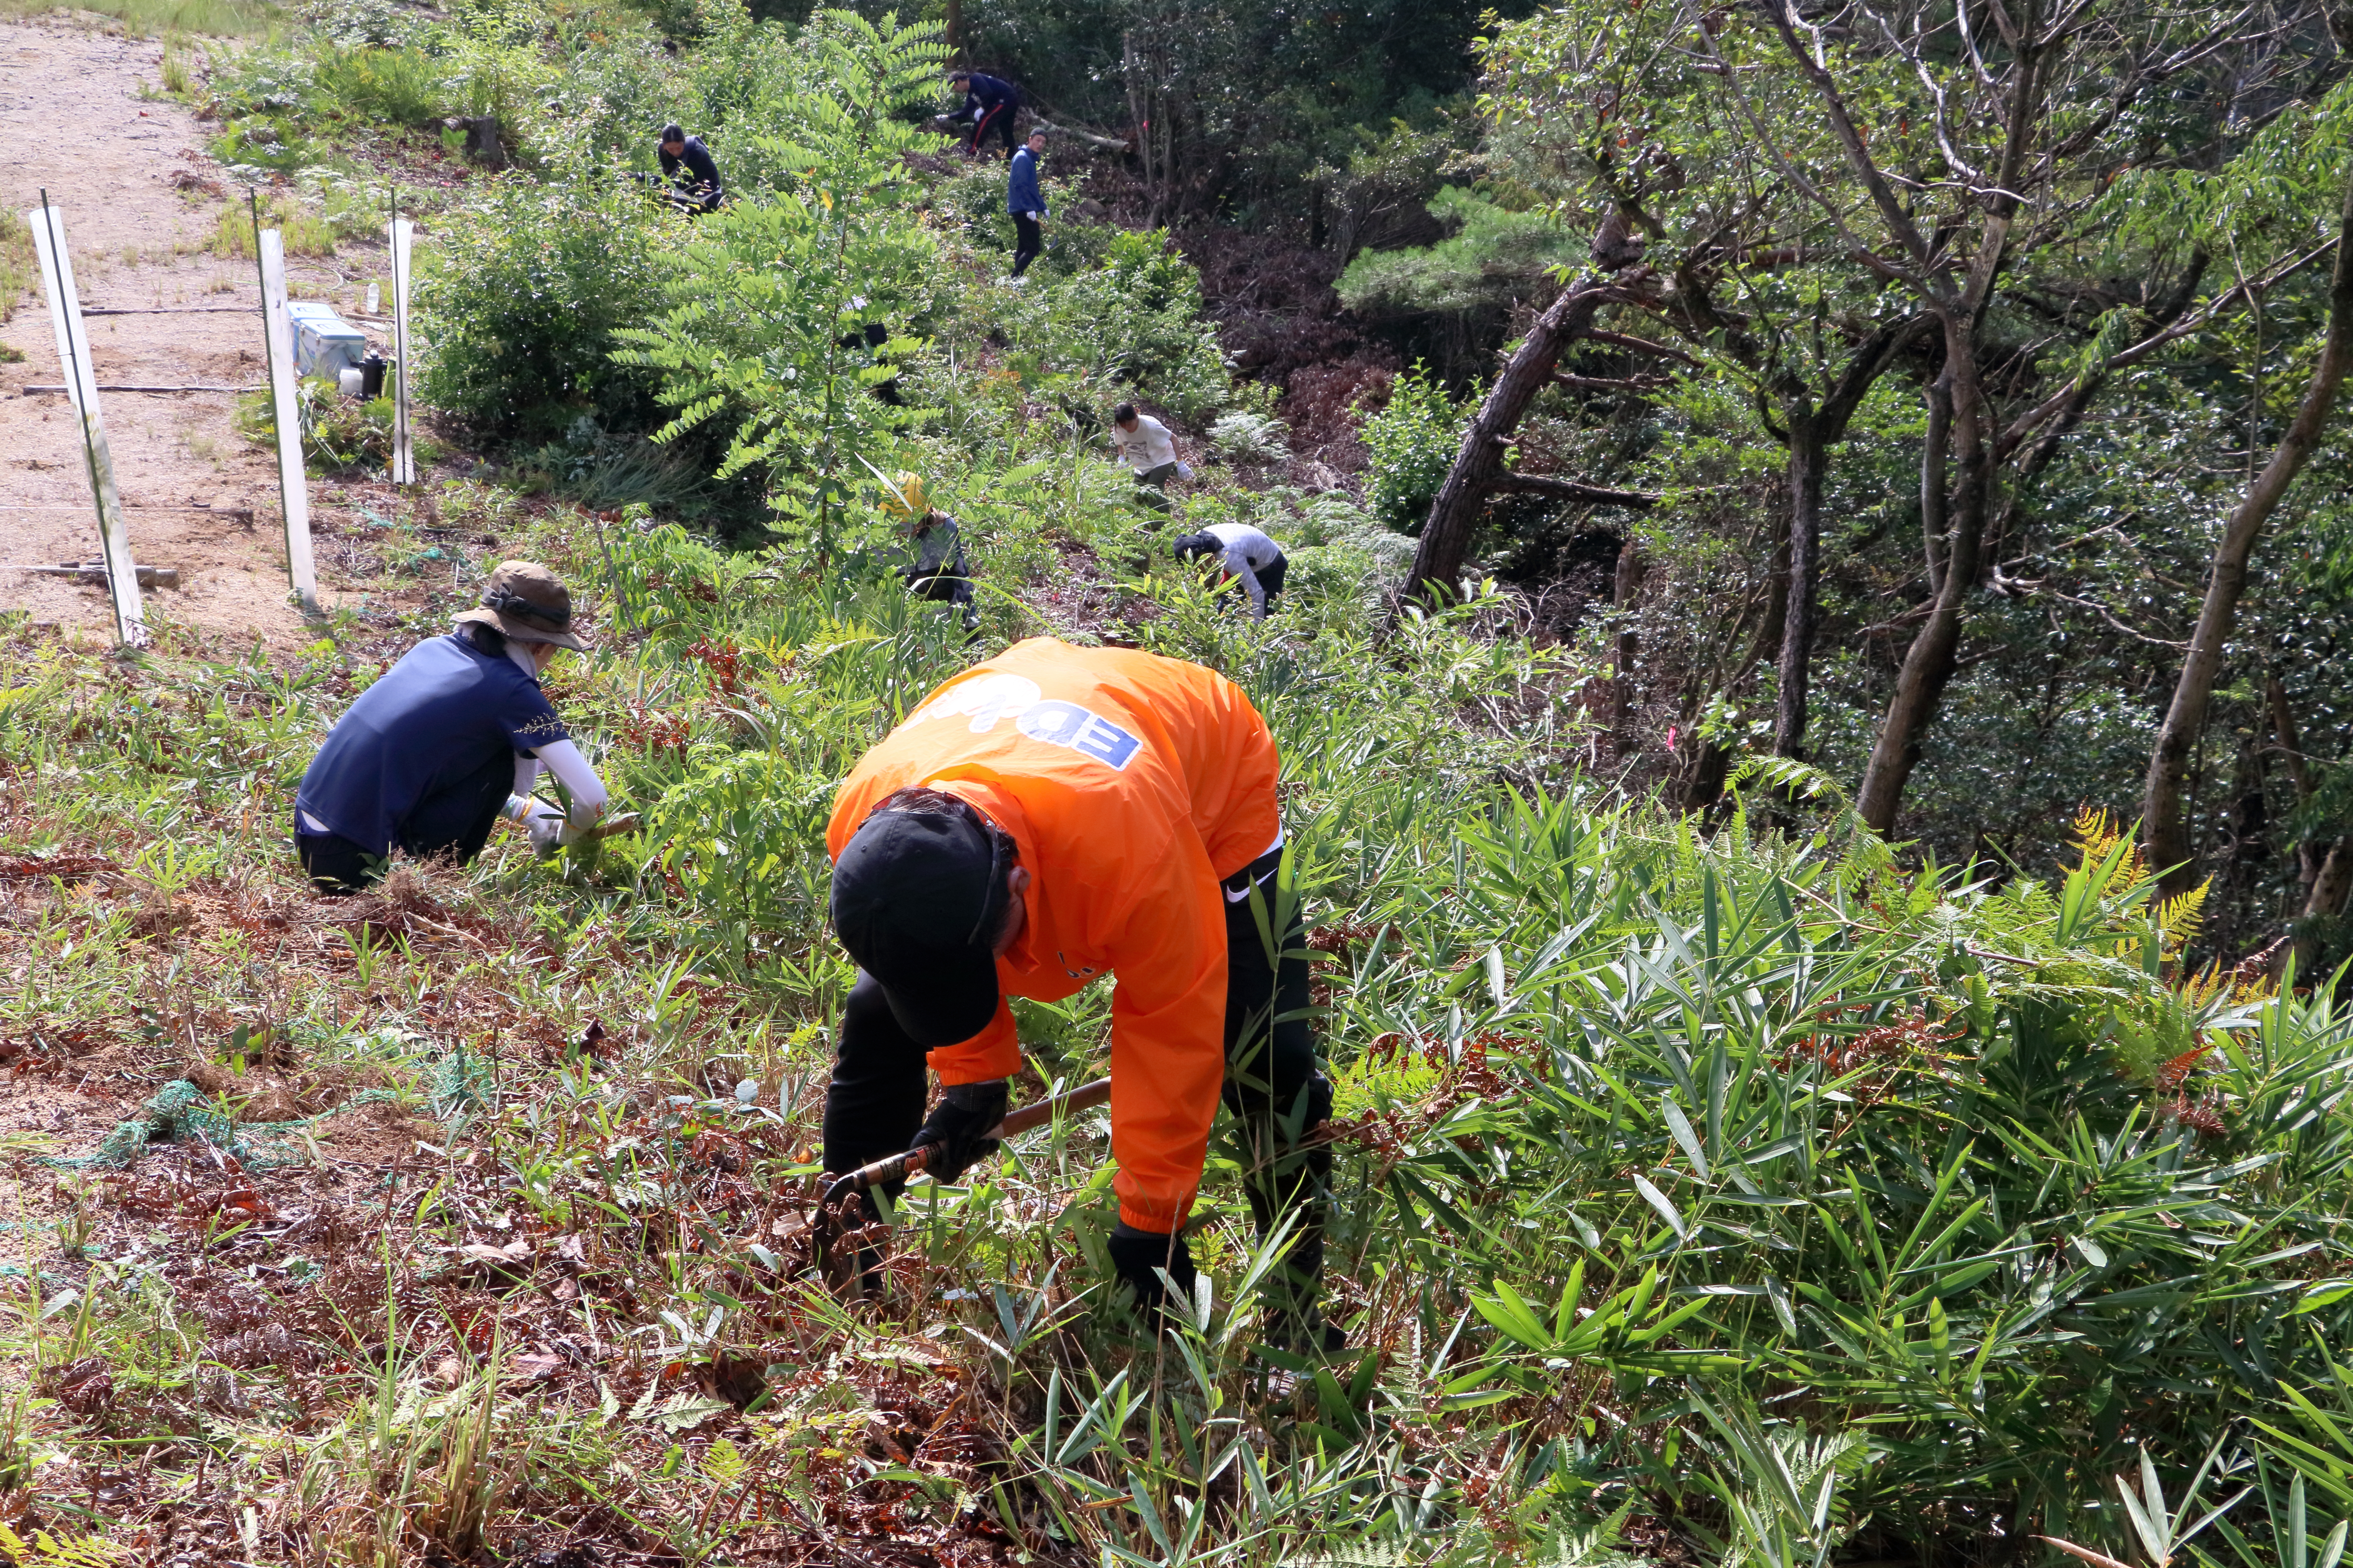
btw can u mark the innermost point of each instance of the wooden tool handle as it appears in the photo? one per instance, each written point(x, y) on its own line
point(898, 1167)
point(625, 823)
point(1086, 1097)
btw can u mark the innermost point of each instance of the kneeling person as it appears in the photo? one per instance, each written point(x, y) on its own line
point(1242, 552)
point(1054, 814)
point(447, 742)
point(938, 572)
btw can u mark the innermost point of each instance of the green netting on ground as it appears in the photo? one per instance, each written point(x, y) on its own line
point(50, 1283)
point(180, 1109)
point(463, 1080)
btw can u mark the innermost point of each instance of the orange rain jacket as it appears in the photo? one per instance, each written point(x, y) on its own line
point(1134, 784)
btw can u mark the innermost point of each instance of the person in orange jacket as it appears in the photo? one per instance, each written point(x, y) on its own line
point(1048, 816)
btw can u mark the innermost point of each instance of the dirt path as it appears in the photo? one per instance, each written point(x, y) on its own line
point(141, 200)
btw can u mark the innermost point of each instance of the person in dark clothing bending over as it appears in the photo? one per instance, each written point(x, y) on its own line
point(990, 103)
point(700, 183)
point(449, 740)
point(1027, 203)
point(1243, 552)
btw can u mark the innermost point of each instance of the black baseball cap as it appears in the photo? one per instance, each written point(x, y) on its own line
point(915, 896)
point(1193, 546)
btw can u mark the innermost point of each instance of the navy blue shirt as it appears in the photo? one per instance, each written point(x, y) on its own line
point(442, 714)
point(697, 159)
point(983, 93)
point(1021, 185)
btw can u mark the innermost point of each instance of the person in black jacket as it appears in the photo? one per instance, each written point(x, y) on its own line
point(990, 104)
point(704, 193)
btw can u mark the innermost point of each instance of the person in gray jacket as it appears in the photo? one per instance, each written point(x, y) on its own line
point(1243, 552)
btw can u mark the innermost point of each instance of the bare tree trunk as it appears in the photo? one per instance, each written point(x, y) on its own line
point(2329, 886)
point(1798, 625)
point(1624, 590)
point(1929, 663)
point(1446, 535)
point(1813, 430)
point(1935, 466)
point(2162, 817)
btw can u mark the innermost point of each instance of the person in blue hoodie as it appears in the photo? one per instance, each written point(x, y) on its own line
point(990, 103)
point(1027, 203)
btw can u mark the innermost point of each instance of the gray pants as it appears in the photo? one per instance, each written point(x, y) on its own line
point(1152, 485)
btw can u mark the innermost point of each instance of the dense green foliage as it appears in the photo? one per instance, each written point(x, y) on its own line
point(2156, 309)
point(1413, 439)
point(1670, 1160)
point(528, 288)
point(1238, 105)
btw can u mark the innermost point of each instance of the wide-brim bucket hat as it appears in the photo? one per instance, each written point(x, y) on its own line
point(529, 603)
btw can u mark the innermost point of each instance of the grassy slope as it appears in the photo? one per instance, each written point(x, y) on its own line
point(157, 18)
point(547, 1277)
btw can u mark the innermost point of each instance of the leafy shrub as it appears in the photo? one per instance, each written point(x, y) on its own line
point(271, 142)
point(1242, 436)
point(746, 835)
point(390, 87)
point(605, 472)
point(1135, 321)
point(1413, 442)
point(356, 24)
point(521, 297)
point(492, 63)
point(341, 436)
point(258, 82)
point(1494, 257)
point(767, 306)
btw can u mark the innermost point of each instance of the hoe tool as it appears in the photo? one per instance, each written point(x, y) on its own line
point(898, 1167)
point(834, 1226)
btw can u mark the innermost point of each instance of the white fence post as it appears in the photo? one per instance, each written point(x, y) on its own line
point(404, 461)
point(293, 484)
point(49, 226)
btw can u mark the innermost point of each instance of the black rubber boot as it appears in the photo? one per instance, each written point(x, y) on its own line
point(1294, 1288)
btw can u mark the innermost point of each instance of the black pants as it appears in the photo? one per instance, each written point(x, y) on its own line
point(996, 122)
point(1271, 578)
point(875, 1104)
point(1027, 241)
point(452, 823)
point(950, 587)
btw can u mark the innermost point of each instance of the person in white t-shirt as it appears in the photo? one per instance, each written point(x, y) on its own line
point(1145, 445)
point(1242, 552)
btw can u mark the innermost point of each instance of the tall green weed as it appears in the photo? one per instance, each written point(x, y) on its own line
point(1412, 438)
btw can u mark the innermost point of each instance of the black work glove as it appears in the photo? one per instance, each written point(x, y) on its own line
point(1137, 1254)
point(957, 1126)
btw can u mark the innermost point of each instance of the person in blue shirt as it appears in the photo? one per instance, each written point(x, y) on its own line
point(990, 103)
point(1026, 203)
point(449, 740)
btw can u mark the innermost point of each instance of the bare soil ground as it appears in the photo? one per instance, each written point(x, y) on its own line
point(142, 201)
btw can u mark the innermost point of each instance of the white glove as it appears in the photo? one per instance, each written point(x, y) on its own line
point(548, 831)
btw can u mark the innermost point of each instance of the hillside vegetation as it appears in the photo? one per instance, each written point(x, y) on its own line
point(1729, 1186)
